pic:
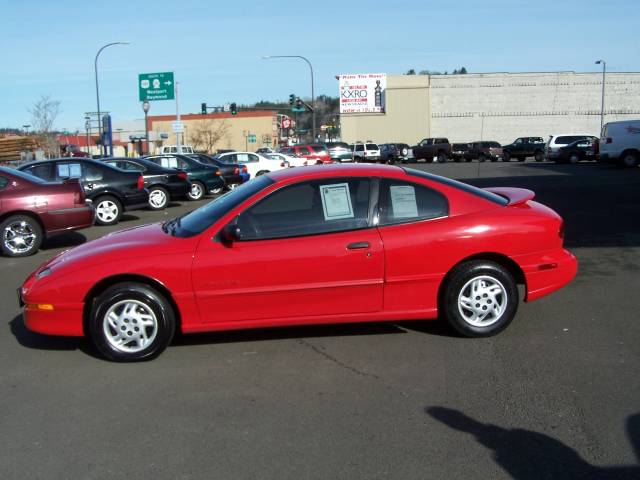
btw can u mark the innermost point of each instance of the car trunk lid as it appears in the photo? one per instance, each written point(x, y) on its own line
point(515, 196)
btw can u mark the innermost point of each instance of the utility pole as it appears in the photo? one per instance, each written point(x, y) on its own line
point(178, 134)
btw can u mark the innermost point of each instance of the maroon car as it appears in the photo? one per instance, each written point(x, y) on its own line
point(32, 209)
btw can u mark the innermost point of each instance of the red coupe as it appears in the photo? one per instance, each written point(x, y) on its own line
point(31, 209)
point(330, 244)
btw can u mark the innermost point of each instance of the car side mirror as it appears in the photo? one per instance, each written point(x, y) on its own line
point(231, 233)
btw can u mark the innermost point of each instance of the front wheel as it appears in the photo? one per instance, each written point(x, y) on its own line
point(480, 298)
point(197, 191)
point(481, 158)
point(441, 158)
point(131, 322)
point(506, 156)
point(21, 236)
point(574, 159)
point(539, 156)
point(108, 210)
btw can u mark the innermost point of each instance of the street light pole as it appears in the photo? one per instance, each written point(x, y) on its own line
point(95, 64)
point(604, 68)
point(145, 108)
point(313, 98)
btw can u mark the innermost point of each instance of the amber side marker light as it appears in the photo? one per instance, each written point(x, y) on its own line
point(39, 306)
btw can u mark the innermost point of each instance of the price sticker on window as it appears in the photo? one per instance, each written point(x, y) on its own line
point(336, 201)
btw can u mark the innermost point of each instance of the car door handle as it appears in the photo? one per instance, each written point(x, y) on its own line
point(357, 245)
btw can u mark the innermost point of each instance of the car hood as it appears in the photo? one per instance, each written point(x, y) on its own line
point(135, 242)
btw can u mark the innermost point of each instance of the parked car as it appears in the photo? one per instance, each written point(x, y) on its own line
point(256, 164)
point(620, 143)
point(181, 149)
point(291, 161)
point(585, 149)
point(431, 148)
point(32, 209)
point(459, 152)
point(483, 151)
point(204, 178)
point(555, 142)
point(111, 190)
point(313, 153)
point(524, 147)
point(339, 152)
point(366, 152)
point(264, 150)
point(233, 174)
point(394, 152)
point(164, 184)
point(307, 246)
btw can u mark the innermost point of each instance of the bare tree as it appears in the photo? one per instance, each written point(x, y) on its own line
point(43, 115)
point(207, 133)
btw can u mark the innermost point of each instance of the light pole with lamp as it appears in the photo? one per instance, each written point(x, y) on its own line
point(87, 127)
point(313, 98)
point(145, 108)
point(604, 68)
point(95, 64)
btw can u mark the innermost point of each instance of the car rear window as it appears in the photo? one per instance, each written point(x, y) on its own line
point(492, 197)
point(565, 140)
point(460, 146)
point(372, 146)
point(29, 177)
point(318, 148)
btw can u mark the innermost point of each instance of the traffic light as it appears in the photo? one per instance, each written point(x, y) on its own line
point(292, 99)
point(204, 108)
point(234, 109)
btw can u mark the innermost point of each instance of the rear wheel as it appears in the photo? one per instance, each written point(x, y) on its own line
point(197, 191)
point(441, 157)
point(21, 236)
point(158, 198)
point(506, 156)
point(480, 298)
point(629, 159)
point(131, 322)
point(574, 158)
point(481, 158)
point(539, 156)
point(108, 210)
point(217, 190)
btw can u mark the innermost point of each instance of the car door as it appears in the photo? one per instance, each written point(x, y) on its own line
point(307, 250)
point(412, 221)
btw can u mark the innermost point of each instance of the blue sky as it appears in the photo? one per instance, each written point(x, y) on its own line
point(214, 48)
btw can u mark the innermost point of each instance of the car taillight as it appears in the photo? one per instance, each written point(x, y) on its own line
point(183, 176)
point(140, 182)
point(218, 173)
point(236, 171)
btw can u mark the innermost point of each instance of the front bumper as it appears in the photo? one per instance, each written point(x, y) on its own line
point(65, 319)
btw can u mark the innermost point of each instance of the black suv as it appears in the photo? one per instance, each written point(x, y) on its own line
point(394, 152)
point(203, 178)
point(112, 190)
point(163, 183)
point(524, 147)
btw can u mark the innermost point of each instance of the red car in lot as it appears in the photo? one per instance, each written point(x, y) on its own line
point(322, 244)
point(32, 209)
point(314, 153)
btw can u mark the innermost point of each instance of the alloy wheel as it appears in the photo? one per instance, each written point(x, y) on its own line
point(482, 301)
point(130, 326)
point(19, 237)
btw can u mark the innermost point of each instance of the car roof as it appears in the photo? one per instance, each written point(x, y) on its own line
point(332, 170)
point(71, 159)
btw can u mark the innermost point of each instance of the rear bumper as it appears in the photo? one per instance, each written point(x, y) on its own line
point(547, 272)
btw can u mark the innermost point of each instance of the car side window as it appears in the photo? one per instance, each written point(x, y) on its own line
point(182, 165)
point(402, 202)
point(91, 173)
point(309, 208)
point(4, 181)
point(253, 158)
point(42, 171)
point(167, 162)
point(360, 147)
point(131, 166)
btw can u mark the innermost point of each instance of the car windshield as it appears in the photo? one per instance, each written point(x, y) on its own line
point(199, 220)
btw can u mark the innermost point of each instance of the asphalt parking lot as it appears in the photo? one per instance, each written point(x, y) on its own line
point(556, 395)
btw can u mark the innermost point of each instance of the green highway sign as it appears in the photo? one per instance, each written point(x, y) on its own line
point(298, 109)
point(156, 86)
point(251, 138)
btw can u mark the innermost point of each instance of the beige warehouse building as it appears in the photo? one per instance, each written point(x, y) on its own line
point(214, 131)
point(495, 106)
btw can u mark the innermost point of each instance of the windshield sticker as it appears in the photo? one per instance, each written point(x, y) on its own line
point(336, 201)
point(403, 201)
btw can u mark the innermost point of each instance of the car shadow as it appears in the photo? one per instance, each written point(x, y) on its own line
point(64, 240)
point(525, 454)
point(284, 333)
point(32, 340)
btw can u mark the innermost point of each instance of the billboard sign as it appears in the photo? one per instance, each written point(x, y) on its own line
point(362, 92)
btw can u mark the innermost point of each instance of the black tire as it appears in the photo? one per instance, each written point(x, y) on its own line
point(494, 159)
point(522, 159)
point(110, 318)
point(108, 210)
point(441, 157)
point(506, 156)
point(20, 235)
point(482, 158)
point(461, 281)
point(391, 160)
point(629, 159)
point(197, 191)
point(574, 158)
point(158, 198)
point(539, 156)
